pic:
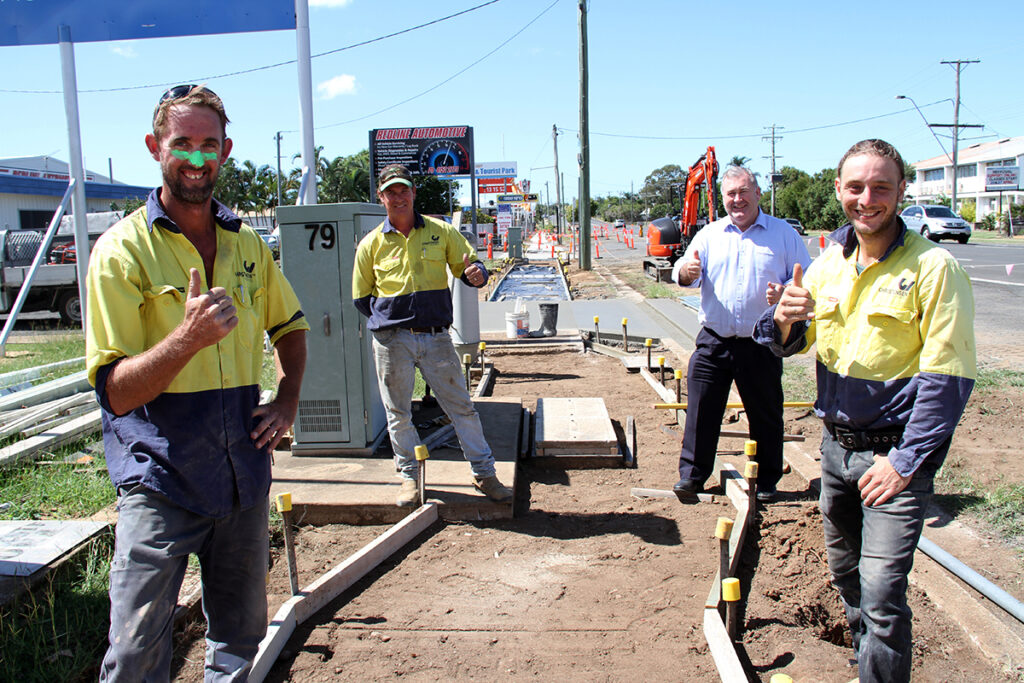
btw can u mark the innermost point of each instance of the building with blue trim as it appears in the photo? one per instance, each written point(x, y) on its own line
point(31, 189)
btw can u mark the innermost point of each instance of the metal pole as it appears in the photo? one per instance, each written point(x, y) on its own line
point(277, 138)
point(67, 63)
point(584, 159)
point(303, 59)
point(558, 186)
point(959, 65)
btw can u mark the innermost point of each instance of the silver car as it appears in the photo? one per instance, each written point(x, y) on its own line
point(936, 222)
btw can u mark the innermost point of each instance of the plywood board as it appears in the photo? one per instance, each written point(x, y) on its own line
point(26, 546)
point(574, 426)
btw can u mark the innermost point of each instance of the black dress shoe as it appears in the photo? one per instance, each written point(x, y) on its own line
point(767, 495)
point(688, 486)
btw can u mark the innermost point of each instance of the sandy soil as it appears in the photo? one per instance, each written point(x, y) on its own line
point(587, 583)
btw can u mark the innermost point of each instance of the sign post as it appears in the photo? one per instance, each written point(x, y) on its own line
point(998, 179)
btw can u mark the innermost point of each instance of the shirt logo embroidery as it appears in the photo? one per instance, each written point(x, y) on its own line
point(435, 238)
point(904, 285)
point(249, 267)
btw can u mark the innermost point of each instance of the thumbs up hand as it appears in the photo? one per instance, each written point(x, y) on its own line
point(209, 317)
point(691, 270)
point(795, 303)
point(473, 274)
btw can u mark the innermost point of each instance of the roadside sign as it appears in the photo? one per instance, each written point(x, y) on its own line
point(531, 197)
point(35, 23)
point(494, 185)
point(430, 150)
point(496, 169)
point(510, 198)
point(999, 178)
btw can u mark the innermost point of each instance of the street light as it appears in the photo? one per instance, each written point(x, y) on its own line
point(930, 129)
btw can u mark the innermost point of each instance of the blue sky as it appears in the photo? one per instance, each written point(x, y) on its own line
point(667, 79)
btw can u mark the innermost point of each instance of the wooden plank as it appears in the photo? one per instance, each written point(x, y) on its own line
point(578, 462)
point(334, 582)
point(730, 670)
point(524, 434)
point(637, 492)
point(597, 450)
point(75, 429)
point(49, 409)
point(746, 435)
point(574, 423)
point(58, 388)
point(629, 449)
point(278, 632)
point(666, 394)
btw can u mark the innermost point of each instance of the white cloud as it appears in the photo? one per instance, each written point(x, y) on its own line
point(124, 50)
point(328, 3)
point(343, 84)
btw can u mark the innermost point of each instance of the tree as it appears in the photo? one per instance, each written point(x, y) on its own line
point(738, 161)
point(657, 190)
point(818, 207)
point(436, 195)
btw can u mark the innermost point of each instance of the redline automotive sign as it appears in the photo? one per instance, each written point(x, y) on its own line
point(436, 150)
point(1002, 178)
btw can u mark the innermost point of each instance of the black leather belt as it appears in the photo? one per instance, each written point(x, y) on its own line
point(428, 330)
point(864, 440)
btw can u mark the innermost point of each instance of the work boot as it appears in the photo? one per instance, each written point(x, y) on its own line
point(493, 489)
point(548, 320)
point(409, 495)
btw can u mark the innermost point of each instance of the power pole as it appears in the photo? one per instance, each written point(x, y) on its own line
point(959, 65)
point(773, 137)
point(277, 138)
point(558, 185)
point(584, 158)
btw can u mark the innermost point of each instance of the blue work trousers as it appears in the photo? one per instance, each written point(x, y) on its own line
point(714, 364)
point(154, 538)
point(397, 353)
point(870, 554)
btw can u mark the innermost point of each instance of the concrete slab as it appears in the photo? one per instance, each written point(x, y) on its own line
point(26, 546)
point(574, 426)
point(361, 490)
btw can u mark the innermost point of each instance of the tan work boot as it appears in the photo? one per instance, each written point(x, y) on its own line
point(493, 489)
point(409, 495)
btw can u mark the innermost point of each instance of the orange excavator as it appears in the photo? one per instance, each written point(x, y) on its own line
point(667, 239)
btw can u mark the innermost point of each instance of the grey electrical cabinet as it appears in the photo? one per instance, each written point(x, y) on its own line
point(340, 409)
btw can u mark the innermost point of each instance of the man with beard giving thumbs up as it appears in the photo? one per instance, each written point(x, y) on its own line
point(893, 318)
point(738, 262)
point(180, 294)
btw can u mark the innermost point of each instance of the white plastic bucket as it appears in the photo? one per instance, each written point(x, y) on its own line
point(517, 324)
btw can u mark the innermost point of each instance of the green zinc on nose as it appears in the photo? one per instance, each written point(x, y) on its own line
point(195, 157)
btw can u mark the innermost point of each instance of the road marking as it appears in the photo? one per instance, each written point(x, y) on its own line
point(998, 282)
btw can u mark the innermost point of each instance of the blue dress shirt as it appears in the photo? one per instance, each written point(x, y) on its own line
point(736, 268)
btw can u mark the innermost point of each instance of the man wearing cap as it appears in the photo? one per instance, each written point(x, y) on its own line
point(400, 282)
point(180, 295)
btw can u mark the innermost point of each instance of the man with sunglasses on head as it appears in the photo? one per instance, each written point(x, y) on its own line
point(181, 293)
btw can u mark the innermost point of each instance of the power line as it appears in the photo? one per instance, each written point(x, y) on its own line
point(447, 80)
point(750, 135)
point(266, 67)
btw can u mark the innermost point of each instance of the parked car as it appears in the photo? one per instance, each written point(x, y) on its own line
point(797, 225)
point(936, 222)
point(271, 239)
point(619, 223)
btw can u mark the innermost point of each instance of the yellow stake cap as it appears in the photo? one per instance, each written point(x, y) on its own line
point(467, 359)
point(648, 342)
point(625, 321)
point(482, 346)
point(730, 589)
point(724, 528)
point(750, 471)
point(661, 360)
point(781, 678)
point(284, 502)
point(597, 319)
point(749, 448)
point(679, 374)
point(421, 452)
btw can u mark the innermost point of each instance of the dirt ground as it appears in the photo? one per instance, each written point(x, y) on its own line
point(588, 583)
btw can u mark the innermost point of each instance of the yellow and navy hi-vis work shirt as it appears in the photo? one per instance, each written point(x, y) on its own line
point(192, 442)
point(895, 343)
point(403, 282)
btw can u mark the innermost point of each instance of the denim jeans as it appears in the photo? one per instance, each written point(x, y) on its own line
point(154, 538)
point(870, 554)
point(397, 353)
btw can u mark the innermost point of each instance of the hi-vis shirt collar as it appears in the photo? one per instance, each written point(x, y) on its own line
point(417, 223)
point(224, 216)
point(847, 237)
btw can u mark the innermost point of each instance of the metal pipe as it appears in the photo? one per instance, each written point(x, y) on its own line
point(973, 579)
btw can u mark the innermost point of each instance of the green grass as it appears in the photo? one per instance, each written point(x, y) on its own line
point(20, 356)
point(58, 491)
point(798, 382)
point(57, 631)
point(990, 379)
point(1001, 505)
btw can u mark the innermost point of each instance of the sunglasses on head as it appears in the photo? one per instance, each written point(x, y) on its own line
point(180, 91)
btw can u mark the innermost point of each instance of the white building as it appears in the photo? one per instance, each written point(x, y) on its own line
point(31, 189)
point(935, 175)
